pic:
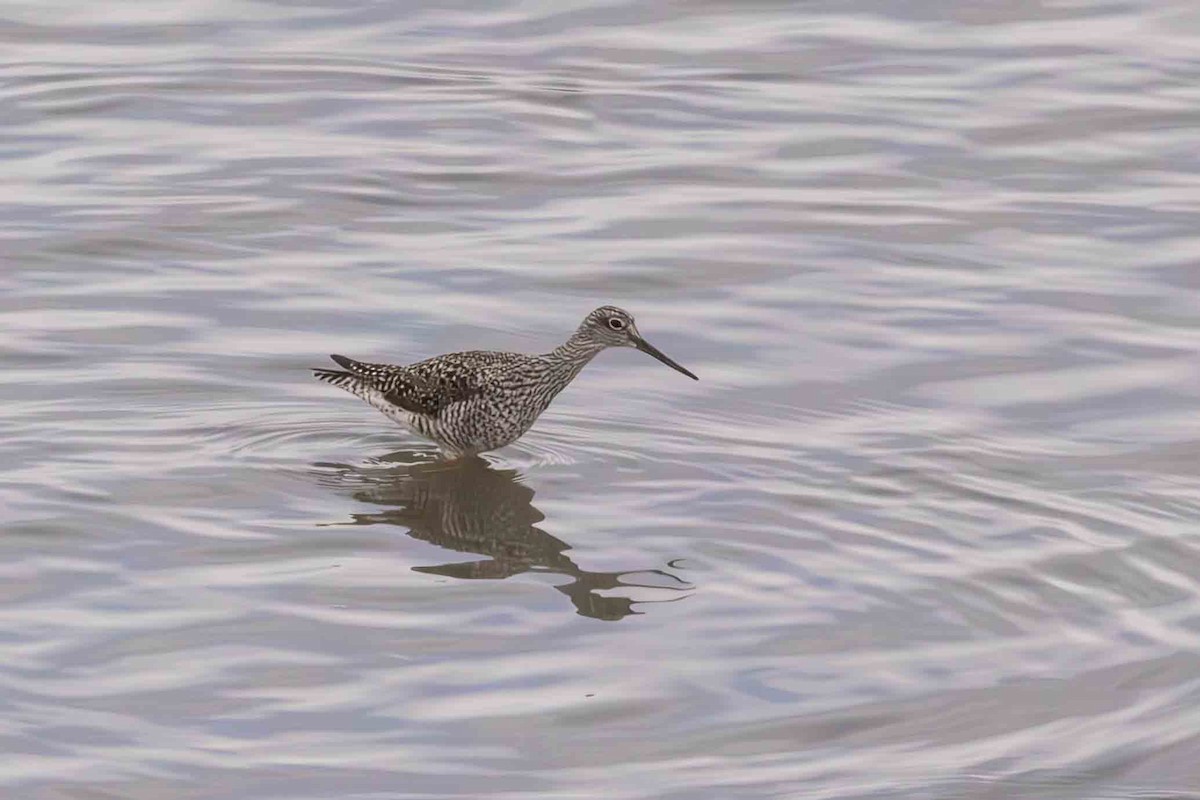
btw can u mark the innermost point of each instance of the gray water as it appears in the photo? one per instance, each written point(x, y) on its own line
point(926, 528)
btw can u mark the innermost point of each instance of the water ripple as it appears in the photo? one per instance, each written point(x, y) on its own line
point(924, 529)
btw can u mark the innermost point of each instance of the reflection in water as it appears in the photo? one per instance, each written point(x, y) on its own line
point(470, 507)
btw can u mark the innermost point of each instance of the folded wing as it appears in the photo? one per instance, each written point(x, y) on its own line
point(420, 388)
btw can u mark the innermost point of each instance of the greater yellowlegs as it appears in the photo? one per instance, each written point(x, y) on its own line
point(480, 400)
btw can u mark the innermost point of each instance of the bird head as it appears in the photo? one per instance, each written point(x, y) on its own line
point(610, 326)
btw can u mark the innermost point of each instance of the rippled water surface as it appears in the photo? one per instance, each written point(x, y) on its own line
point(926, 528)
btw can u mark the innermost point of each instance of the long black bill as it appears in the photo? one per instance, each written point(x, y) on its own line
point(646, 347)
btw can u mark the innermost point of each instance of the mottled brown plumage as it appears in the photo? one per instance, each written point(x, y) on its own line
point(480, 400)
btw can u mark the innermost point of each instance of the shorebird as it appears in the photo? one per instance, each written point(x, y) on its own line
point(479, 400)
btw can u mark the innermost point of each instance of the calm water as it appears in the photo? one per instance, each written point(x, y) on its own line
point(928, 527)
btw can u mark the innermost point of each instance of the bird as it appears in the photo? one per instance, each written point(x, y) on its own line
point(480, 400)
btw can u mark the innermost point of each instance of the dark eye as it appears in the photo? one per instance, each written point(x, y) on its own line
point(616, 323)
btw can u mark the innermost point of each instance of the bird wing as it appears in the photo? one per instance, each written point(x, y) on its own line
point(429, 386)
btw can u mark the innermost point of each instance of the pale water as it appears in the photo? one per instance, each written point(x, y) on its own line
point(928, 526)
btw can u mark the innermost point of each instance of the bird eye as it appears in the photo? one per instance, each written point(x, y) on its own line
point(616, 323)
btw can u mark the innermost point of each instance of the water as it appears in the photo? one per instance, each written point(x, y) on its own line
point(926, 527)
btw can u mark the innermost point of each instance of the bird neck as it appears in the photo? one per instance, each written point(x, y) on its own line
point(573, 355)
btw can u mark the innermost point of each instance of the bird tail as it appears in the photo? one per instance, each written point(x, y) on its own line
point(342, 380)
point(362, 369)
point(356, 379)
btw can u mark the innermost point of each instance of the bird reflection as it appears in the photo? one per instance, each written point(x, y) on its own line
point(471, 507)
